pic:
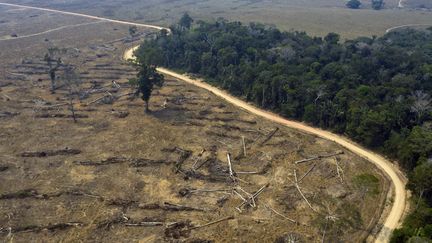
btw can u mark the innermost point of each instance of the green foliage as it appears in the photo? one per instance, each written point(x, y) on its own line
point(186, 21)
point(147, 78)
point(375, 90)
point(354, 4)
point(367, 183)
point(133, 30)
point(377, 4)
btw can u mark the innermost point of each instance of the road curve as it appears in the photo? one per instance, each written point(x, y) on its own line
point(400, 194)
point(396, 214)
point(405, 25)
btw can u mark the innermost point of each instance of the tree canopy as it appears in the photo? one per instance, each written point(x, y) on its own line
point(375, 90)
point(354, 4)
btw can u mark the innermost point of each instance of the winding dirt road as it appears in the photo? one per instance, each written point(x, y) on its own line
point(406, 25)
point(399, 195)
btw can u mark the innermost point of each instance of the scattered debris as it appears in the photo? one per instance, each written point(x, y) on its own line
point(252, 198)
point(179, 229)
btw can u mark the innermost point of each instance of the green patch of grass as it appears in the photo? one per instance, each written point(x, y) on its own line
point(367, 183)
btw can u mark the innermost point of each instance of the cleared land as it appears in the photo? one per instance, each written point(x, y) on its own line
point(315, 17)
point(124, 170)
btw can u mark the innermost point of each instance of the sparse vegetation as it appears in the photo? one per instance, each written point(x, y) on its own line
point(367, 184)
point(54, 61)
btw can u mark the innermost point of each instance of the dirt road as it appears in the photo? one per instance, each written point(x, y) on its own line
point(406, 25)
point(51, 30)
point(399, 195)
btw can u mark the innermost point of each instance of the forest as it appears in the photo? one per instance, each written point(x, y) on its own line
point(375, 90)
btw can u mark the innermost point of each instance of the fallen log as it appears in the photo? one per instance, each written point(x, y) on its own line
point(35, 228)
point(213, 222)
point(60, 115)
point(65, 151)
point(166, 206)
point(147, 162)
point(254, 196)
point(276, 212)
point(269, 136)
point(319, 157)
point(4, 114)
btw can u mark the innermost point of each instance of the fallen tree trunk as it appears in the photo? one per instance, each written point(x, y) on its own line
point(319, 157)
point(65, 151)
point(35, 228)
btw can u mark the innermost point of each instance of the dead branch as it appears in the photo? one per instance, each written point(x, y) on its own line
point(145, 224)
point(187, 191)
point(318, 157)
point(101, 98)
point(276, 212)
point(244, 146)
point(339, 171)
point(263, 171)
point(231, 173)
point(307, 173)
point(254, 196)
point(166, 206)
point(213, 222)
point(301, 193)
point(108, 161)
point(269, 136)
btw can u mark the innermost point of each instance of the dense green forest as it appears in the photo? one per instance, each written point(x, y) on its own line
point(376, 91)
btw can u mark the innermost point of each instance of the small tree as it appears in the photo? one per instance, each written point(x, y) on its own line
point(354, 4)
point(133, 30)
point(72, 82)
point(377, 4)
point(145, 81)
point(54, 61)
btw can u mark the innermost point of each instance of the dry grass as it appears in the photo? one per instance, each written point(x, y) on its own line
point(315, 17)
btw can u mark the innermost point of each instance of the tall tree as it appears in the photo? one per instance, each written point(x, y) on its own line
point(145, 81)
point(186, 21)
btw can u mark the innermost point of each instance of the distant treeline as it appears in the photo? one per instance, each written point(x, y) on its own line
point(376, 91)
